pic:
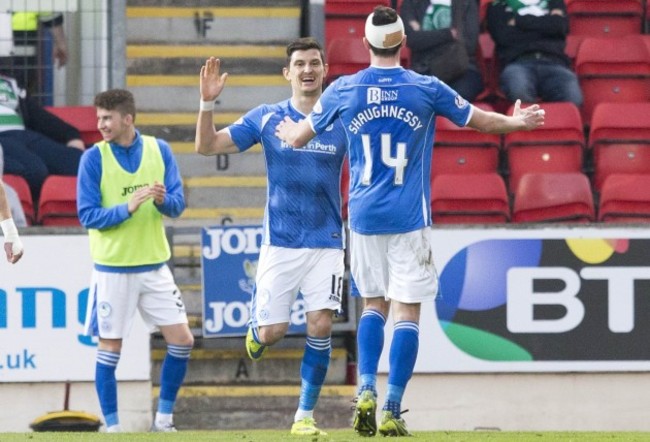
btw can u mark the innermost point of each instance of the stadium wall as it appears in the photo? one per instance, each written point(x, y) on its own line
point(527, 402)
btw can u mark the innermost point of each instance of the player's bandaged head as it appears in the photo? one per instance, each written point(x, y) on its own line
point(384, 35)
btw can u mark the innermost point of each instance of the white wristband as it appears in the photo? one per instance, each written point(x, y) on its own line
point(9, 230)
point(206, 106)
point(11, 236)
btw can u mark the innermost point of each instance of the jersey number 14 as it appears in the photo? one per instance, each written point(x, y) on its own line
point(398, 162)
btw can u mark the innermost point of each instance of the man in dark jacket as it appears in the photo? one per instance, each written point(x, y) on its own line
point(429, 24)
point(530, 39)
point(36, 142)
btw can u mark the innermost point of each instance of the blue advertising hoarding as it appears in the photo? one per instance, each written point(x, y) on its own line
point(229, 256)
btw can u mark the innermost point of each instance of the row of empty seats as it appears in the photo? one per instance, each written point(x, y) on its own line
point(57, 205)
point(540, 197)
point(618, 142)
point(482, 198)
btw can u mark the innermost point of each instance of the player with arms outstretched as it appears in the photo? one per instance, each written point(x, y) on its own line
point(389, 116)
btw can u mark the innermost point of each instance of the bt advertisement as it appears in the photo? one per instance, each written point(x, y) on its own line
point(552, 299)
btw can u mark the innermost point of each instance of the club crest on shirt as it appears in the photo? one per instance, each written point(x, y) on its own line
point(460, 102)
point(104, 309)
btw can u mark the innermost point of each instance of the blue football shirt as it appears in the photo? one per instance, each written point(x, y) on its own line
point(389, 117)
point(303, 205)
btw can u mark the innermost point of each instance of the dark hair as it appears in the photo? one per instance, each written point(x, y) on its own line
point(120, 100)
point(303, 44)
point(383, 15)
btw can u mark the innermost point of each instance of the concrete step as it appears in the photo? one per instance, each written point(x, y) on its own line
point(209, 197)
point(243, 92)
point(212, 3)
point(181, 126)
point(233, 407)
point(237, 60)
point(213, 23)
point(232, 366)
point(210, 216)
point(242, 164)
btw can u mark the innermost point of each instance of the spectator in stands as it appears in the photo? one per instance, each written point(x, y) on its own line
point(13, 245)
point(126, 184)
point(16, 208)
point(36, 143)
point(26, 64)
point(430, 29)
point(530, 38)
point(302, 247)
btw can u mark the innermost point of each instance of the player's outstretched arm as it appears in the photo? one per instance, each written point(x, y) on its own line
point(211, 82)
point(528, 118)
point(13, 245)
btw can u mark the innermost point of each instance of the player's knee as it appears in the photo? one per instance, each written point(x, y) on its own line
point(270, 334)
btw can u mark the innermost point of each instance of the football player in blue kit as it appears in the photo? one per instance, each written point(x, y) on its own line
point(303, 240)
point(389, 116)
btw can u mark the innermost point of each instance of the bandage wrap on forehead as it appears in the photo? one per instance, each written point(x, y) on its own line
point(384, 36)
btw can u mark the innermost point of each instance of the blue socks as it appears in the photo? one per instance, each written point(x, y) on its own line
point(403, 354)
point(313, 370)
point(172, 374)
point(370, 342)
point(106, 385)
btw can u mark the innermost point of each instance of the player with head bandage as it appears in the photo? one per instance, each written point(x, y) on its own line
point(389, 115)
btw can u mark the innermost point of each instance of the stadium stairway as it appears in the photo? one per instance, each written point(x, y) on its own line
point(167, 42)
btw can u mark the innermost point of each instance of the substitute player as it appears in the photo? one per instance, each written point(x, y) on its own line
point(302, 246)
point(389, 116)
point(127, 182)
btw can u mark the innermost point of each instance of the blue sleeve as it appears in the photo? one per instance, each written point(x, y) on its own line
point(326, 109)
point(246, 131)
point(89, 199)
point(174, 202)
point(452, 106)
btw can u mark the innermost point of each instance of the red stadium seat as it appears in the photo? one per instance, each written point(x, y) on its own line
point(357, 8)
point(19, 184)
point(553, 197)
point(348, 55)
point(83, 118)
point(489, 66)
point(615, 69)
point(617, 159)
point(605, 18)
point(482, 11)
point(620, 139)
point(625, 198)
point(646, 37)
point(347, 18)
point(572, 45)
point(58, 201)
point(464, 150)
point(469, 198)
point(557, 146)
